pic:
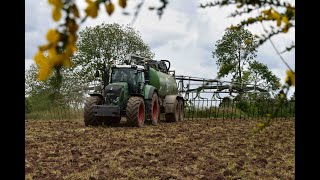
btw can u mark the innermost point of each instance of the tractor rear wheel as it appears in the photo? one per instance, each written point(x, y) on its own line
point(153, 109)
point(135, 111)
point(89, 115)
point(174, 117)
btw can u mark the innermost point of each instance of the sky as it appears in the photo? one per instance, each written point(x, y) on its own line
point(185, 34)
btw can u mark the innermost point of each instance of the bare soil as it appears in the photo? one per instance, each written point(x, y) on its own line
point(197, 149)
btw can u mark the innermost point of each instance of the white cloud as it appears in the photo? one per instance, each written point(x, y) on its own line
point(37, 21)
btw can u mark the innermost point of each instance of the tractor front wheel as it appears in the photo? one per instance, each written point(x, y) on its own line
point(89, 115)
point(135, 111)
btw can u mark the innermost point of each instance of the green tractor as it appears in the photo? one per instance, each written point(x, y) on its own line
point(139, 89)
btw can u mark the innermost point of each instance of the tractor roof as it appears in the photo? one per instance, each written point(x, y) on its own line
point(128, 66)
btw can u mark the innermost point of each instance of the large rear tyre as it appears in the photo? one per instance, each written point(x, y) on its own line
point(153, 109)
point(135, 111)
point(174, 117)
point(89, 115)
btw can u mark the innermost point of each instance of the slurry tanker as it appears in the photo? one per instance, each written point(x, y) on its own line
point(138, 89)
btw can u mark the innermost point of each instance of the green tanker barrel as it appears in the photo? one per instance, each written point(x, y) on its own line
point(165, 83)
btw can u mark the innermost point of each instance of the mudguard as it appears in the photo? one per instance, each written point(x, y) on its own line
point(148, 91)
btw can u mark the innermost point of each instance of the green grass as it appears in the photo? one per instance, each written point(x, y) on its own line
point(214, 112)
point(56, 113)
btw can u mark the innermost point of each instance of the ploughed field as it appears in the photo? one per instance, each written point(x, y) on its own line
point(193, 149)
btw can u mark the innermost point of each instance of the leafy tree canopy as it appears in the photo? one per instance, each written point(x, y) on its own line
point(236, 53)
point(280, 14)
point(97, 46)
point(236, 48)
point(105, 44)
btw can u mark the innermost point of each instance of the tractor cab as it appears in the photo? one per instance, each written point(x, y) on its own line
point(131, 74)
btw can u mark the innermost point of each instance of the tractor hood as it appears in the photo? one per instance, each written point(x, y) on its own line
point(115, 93)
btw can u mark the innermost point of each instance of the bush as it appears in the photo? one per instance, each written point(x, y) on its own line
point(243, 106)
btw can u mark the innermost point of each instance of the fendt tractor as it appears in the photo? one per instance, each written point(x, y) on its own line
point(138, 89)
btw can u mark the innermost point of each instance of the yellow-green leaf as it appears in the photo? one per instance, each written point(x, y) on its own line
point(122, 3)
point(53, 36)
point(75, 11)
point(285, 19)
point(92, 9)
point(110, 8)
point(56, 14)
point(275, 15)
point(278, 22)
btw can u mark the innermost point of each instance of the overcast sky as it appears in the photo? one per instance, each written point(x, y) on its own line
point(185, 34)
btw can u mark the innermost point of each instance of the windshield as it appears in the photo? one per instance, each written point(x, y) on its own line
point(123, 75)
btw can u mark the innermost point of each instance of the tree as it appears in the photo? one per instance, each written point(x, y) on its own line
point(260, 75)
point(56, 91)
point(98, 46)
point(104, 44)
point(235, 54)
point(236, 48)
point(282, 13)
point(40, 94)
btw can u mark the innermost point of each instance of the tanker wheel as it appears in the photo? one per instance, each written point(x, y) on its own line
point(174, 117)
point(89, 115)
point(181, 112)
point(153, 109)
point(135, 111)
